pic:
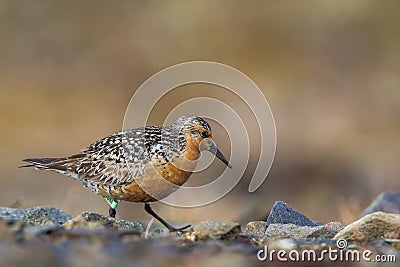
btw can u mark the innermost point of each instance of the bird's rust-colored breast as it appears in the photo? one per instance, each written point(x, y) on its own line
point(160, 179)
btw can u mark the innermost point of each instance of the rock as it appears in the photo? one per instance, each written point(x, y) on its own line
point(46, 215)
point(282, 213)
point(90, 220)
point(30, 223)
point(328, 231)
point(80, 222)
point(10, 216)
point(387, 202)
point(280, 231)
point(375, 225)
point(256, 229)
point(207, 230)
point(36, 216)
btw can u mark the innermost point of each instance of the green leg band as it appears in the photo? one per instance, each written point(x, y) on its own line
point(113, 204)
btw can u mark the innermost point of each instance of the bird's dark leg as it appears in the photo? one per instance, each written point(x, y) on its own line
point(112, 212)
point(150, 211)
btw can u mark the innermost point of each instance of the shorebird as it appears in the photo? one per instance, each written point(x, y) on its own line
point(138, 165)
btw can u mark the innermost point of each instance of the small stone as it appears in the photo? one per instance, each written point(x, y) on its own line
point(36, 216)
point(280, 231)
point(80, 222)
point(90, 220)
point(387, 202)
point(207, 230)
point(334, 227)
point(327, 231)
point(40, 216)
point(282, 213)
point(256, 229)
point(375, 225)
point(10, 216)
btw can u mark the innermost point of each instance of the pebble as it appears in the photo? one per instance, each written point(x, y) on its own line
point(36, 216)
point(375, 225)
point(256, 229)
point(207, 230)
point(91, 220)
point(280, 231)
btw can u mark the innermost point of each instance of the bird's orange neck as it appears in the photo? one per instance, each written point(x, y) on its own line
point(192, 151)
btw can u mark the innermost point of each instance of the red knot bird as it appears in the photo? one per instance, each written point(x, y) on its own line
point(138, 165)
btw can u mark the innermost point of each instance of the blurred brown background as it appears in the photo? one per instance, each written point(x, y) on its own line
point(329, 69)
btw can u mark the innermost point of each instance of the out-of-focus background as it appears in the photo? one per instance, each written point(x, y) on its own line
point(329, 69)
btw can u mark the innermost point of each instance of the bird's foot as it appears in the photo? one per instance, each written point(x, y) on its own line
point(180, 229)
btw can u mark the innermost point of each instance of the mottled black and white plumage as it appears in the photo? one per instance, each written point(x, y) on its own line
point(122, 157)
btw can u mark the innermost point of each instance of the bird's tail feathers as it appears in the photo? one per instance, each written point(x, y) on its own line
point(57, 164)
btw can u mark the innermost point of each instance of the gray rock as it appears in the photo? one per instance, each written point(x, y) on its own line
point(387, 202)
point(328, 231)
point(46, 215)
point(9, 215)
point(281, 231)
point(375, 225)
point(256, 229)
point(36, 216)
point(207, 230)
point(282, 213)
point(90, 220)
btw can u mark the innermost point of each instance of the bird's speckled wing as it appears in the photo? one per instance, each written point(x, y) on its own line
point(117, 159)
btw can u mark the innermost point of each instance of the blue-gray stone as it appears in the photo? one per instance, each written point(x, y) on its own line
point(282, 213)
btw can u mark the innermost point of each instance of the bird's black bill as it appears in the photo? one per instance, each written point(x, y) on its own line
point(210, 146)
point(221, 156)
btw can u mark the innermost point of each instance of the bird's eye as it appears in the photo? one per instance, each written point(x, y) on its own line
point(204, 134)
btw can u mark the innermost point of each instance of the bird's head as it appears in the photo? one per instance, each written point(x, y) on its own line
point(198, 135)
